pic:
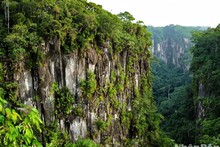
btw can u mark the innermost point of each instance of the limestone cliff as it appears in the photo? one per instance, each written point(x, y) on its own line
point(69, 70)
point(172, 43)
point(83, 68)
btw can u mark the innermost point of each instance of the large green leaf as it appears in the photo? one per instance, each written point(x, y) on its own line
point(2, 119)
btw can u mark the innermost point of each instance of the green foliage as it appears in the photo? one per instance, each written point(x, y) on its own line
point(175, 102)
point(78, 111)
point(57, 138)
point(17, 42)
point(205, 59)
point(125, 117)
point(88, 86)
point(54, 136)
point(102, 125)
point(64, 100)
point(180, 116)
point(38, 29)
point(205, 68)
point(112, 93)
point(206, 139)
point(22, 42)
point(76, 25)
point(11, 89)
point(166, 79)
point(84, 143)
point(120, 84)
point(145, 120)
point(126, 16)
point(18, 127)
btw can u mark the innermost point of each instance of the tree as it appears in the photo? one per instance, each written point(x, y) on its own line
point(126, 16)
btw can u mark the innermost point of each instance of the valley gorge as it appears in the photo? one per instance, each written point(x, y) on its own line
point(73, 74)
point(178, 87)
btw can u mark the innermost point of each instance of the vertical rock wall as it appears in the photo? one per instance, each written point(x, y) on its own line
point(101, 116)
point(170, 51)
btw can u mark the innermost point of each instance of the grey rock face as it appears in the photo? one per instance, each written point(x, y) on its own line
point(69, 70)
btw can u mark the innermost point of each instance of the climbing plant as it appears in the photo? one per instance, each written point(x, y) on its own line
point(64, 100)
point(88, 86)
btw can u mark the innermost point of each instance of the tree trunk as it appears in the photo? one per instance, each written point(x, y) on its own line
point(8, 15)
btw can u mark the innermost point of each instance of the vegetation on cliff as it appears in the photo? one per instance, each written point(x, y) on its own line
point(206, 81)
point(28, 28)
point(114, 94)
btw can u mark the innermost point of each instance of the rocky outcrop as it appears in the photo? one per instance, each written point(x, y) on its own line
point(170, 51)
point(172, 43)
point(86, 70)
point(114, 83)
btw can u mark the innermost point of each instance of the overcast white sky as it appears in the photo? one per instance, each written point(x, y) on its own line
point(165, 12)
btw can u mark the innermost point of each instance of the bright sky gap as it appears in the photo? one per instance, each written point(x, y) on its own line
point(165, 12)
